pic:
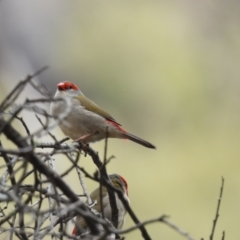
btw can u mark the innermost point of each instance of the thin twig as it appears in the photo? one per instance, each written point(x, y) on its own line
point(51, 163)
point(217, 211)
point(9, 166)
point(223, 235)
point(26, 128)
point(18, 89)
point(177, 229)
point(84, 188)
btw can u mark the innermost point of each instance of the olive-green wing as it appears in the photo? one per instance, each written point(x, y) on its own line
point(92, 107)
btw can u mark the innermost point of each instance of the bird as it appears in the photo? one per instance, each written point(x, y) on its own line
point(86, 122)
point(118, 182)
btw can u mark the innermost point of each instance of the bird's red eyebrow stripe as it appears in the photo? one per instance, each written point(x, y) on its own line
point(66, 85)
point(125, 182)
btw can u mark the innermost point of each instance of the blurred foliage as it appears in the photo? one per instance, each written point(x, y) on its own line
point(168, 71)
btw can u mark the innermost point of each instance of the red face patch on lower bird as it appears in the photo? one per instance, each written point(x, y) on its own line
point(125, 183)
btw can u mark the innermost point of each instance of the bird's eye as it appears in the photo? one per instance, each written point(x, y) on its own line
point(70, 87)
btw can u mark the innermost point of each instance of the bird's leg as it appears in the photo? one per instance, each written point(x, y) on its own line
point(83, 141)
point(85, 137)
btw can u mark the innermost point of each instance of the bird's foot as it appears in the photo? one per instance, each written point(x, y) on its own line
point(83, 147)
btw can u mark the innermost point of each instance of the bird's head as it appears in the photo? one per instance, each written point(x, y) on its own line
point(119, 182)
point(68, 89)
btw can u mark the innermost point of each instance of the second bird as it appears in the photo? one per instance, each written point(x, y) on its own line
point(87, 122)
point(121, 184)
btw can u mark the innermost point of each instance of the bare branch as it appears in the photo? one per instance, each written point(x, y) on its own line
point(16, 138)
point(9, 166)
point(217, 211)
point(177, 229)
point(18, 90)
point(223, 235)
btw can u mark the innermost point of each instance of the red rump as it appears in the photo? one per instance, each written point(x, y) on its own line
point(117, 125)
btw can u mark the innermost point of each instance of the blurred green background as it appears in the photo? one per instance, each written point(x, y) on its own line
point(168, 71)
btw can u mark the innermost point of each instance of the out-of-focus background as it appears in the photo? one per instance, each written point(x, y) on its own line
point(169, 72)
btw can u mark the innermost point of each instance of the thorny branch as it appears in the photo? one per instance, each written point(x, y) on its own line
point(35, 200)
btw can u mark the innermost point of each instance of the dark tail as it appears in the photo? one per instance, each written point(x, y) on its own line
point(138, 140)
